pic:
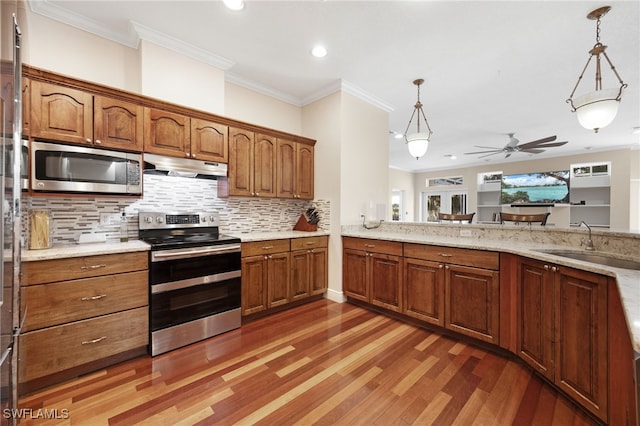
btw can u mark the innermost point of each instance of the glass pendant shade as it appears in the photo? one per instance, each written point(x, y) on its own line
point(597, 109)
point(418, 144)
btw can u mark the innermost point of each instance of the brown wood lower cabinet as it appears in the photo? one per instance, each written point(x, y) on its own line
point(278, 272)
point(562, 329)
point(454, 288)
point(372, 272)
point(79, 313)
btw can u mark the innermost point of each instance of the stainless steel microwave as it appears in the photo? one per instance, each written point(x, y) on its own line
point(67, 168)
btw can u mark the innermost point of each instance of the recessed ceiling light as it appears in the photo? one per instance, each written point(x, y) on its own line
point(319, 51)
point(234, 4)
point(451, 156)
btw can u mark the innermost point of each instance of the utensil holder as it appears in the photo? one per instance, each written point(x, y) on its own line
point(303, 225)
point(41, 229)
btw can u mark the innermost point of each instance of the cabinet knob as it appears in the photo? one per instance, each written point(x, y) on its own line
point(440, 266)
point(193, 156)
point(98, 141)
point(257, 194)
point(554, 269)
point(546, 267)
point(88, 140)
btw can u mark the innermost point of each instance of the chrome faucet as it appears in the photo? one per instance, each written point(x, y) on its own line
point(588, 244)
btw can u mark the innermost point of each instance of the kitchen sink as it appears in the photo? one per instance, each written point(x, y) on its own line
point(599, 258)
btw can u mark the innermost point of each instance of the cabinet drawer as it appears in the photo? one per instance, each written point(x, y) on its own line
point(257, 248)
point(375, 246)
point(308, 243)
point(57, 303)
point(47, 271)
point(59, 348)
point(457, 256)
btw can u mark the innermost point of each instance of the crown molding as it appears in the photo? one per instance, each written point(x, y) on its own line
point(65, 16)
point(179, 46)
point(350, 88)
point(265, 90)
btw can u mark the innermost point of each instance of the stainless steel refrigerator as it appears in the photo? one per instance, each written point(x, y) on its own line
point(10, 187)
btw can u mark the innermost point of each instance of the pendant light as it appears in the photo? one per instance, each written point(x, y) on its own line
point(417, 142)
point(597, 109)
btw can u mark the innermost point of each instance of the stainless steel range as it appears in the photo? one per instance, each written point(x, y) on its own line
point(194, 278)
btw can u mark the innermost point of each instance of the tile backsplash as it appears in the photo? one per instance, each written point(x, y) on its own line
point(73, 216)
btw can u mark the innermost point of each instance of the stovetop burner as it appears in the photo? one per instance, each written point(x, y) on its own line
point(165, 231)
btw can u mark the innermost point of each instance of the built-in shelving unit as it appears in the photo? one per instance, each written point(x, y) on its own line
point(590, 194)
point(489, 186)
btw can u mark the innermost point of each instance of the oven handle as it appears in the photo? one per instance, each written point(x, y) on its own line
point(192, 282)
point(159, 256)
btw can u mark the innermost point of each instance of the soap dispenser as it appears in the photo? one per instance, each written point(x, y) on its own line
point(124, 237)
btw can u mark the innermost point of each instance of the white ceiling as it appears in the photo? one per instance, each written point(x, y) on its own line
point(490, 68)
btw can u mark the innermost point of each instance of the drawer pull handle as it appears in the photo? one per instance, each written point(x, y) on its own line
point(85, 268)
point(91, 342)
point(310, 243)
point(88, 298)
point(370, 245)
point(267, 247)
point(445, 254)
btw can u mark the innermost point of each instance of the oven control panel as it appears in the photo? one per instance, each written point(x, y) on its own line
point(159, 220)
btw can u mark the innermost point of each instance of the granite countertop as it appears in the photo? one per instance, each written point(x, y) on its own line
point(89, 249)
point(628, 280)
point(277, 235)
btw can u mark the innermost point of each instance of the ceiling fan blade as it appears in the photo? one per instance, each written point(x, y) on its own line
point(532, 150)
point(487, 147)
point(493, 151)
point(550, 145)
point(538, 142)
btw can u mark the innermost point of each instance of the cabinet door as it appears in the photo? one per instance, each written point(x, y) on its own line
point(254, 284)
point(60, 113)
point(581, 367)
point(385, 274)
point(424, 290)
point(354, 274)
point(286, 169)
point(240, 162)
point(300, 274)
point(472, 302)
point(118, 124)
point(535, 316)
point(264, 166)
point(319, 275)
point(304, 172)
point(209, 141)
point(278, 282)
point(166, 133)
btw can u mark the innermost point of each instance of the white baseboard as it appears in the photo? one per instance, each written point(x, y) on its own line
point(335, 296)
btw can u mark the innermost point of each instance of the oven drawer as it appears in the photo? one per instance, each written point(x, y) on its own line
point(67, 301)
point(308, 243)
point(47, 271)
point(257, 248)
point(59, 348)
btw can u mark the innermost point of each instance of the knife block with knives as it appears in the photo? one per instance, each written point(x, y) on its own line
point(308, 221)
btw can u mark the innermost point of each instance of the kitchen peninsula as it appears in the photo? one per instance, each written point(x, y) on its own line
point(574, 322)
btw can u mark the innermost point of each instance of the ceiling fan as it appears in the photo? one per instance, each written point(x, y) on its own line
point(534, 147)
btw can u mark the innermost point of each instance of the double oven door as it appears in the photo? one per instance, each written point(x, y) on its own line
point(194, 283)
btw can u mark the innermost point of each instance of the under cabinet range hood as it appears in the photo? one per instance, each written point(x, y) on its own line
point(183, 167)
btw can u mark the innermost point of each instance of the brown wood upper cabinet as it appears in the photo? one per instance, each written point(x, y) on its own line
point(252, 162)
point(295, 170)
point(177, 135)
point(562, 329)
point(70, 115)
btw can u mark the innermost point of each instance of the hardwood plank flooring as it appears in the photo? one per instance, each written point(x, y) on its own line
point(321, 363)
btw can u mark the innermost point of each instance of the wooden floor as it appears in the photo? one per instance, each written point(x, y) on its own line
point(322, 363)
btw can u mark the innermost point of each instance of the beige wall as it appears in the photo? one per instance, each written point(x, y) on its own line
point(246, 105)
point(175, 78)
point(321, 121)
point(621, 166)
point(403, 181)
point(66, 50)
